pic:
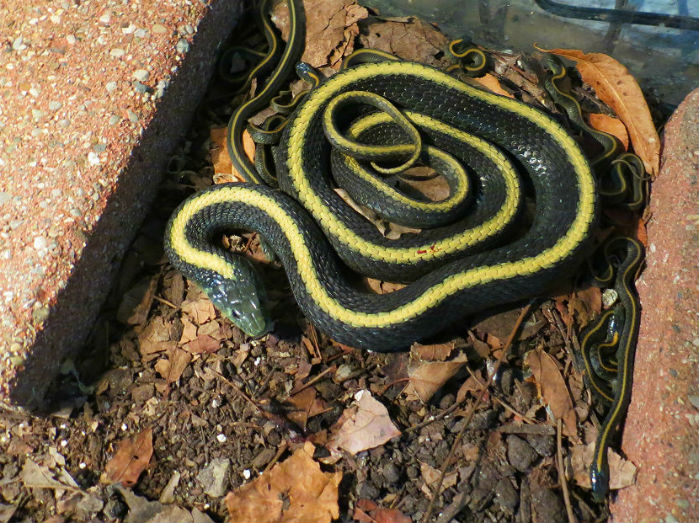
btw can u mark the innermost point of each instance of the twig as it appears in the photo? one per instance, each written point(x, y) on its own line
point(562, 478)
point(166, 302)
point(432, 420)
point(470, 415)
point(313, 380)
point(275, 459)
point(503, 403)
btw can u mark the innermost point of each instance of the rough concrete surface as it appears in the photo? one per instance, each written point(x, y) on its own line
point(661, 432)
point(94, 96)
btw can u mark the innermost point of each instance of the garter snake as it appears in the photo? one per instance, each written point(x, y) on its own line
point(466, 266)
point(458, 271)
point(627, 255)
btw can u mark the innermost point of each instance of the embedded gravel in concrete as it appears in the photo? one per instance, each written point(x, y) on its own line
point(93, 97)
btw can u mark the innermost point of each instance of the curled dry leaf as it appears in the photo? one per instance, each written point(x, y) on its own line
point(131, 459)
point(291, 491)
point(431, 476)
point(434, 352)
point(307, 404)
point(492, 83)
point(552, 388)
point(622, 472)
point(425, 378)
point(367, 511)
point(364, 425)
point(615, 86)
point(331, 28)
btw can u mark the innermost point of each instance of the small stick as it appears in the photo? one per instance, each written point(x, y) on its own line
point(562, 478)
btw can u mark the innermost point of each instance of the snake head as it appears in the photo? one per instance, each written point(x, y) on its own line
point(241, 299)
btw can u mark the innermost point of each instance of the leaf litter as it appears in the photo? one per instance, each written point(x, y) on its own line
point(191, 408)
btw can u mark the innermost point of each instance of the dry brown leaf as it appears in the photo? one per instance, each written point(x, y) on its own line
point(200, 309)
point(219, 152)
point(367, 511)
point(331, 28)
point(431, 476)
point(493, 84)
point(172, 368)
point(411, 40)
point(201, 344)
point(364, 425)
point(189, 330)
point(434, 352)
point(137, 301)
point(427, 377)
point(470, 385)
point(586, 304)
point(622, 472)
point(156, 337)
point(610, 125)
point(294, 490)
point(308, 405)
point(552, 388)
point(131, 459)
point(615, 86)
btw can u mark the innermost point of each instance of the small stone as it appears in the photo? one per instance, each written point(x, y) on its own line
point(141, 75)
point(391, 473)
point(117, 52)
point(54, 106)
point(105, 18)
point(520, 453)
point(140, 33)
point(114, 119)
point(133, 117)
point(213, 477)
point(506, 496)
point(6, 254)
point(40, 243)
point(93, 158)
point(110, 86)
point(99, 147)
point(70, 39)
point(37, 114)
point(39, 315)
point(18, 44)
point(5, 197)
point(140, 88)
point(182, 46)
point(159, 29)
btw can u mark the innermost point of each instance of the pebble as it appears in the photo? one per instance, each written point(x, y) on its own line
point(40, 243)
point(391, 473)
point(110, 86)
point(543, 444)
point(55, 106)
point(141, 75)
point(506, 495)
point(520, 453)
point(117, 52)
point(159, 29)
point(546, 505)
point(182, 46)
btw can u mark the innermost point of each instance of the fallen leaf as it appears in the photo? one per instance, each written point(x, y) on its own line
point(469, 386)
point(425, 378)
point(331, 28)
point(586, 304)
point(199, 308)
point(367, 511)
point(34, 475)
point(131, 459)
point(412, 40)
point(434, 352)
point(218, 150)
point(552, 388)
point(137, 301)
point(294, 490)
point(431, 476)
point(156, 337)
point(615, 86)
point(364, 425)
point(172, 367)
point(141, 510)
point(307, 404)
point(493, 84)
point(610, 125)
point(622, 472)
point(203, 343)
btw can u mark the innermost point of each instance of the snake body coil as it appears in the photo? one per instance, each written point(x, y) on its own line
point(461, 276)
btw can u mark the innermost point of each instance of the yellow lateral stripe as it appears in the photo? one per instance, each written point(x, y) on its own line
point(444, 205)
point(334, 226)
point(313, 284)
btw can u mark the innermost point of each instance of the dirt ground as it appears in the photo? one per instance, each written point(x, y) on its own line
point(169, 407)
